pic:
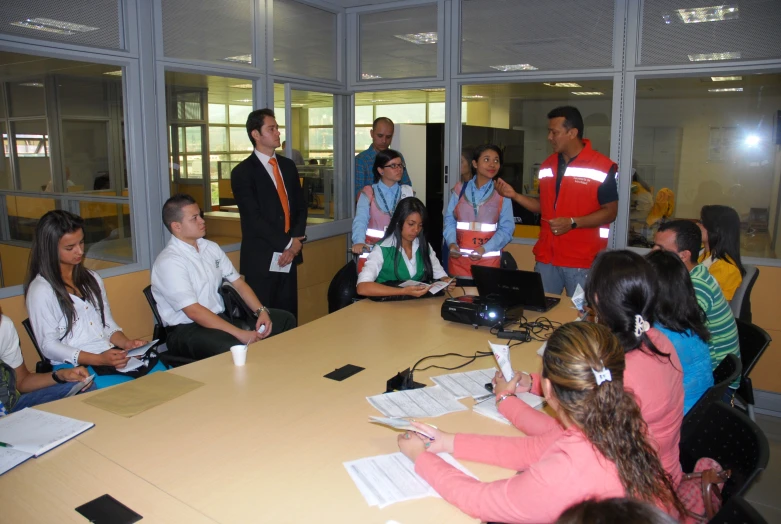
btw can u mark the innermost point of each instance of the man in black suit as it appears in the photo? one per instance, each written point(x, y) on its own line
point(273, 215)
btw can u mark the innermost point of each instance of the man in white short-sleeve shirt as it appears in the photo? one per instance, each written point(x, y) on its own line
point(186, 278)
point(32, 389)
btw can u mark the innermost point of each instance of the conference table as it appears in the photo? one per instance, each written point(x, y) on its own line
point(266, 442)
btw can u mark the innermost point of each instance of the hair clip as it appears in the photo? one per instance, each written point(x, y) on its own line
point(602, 376)
point(641, 326)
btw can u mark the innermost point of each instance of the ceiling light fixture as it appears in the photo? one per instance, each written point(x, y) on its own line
point(587, 93)
point(32, 84)
point(473, 97)
point(243, 100)
point(716, 13)
point(297, 105)
point(514, 67)
point(752, 140)
point(725, 78)
point(433, 89)
point(113, 73)
point(242, 86)
point(703, 57)
point(378, 100)
point(369, 76)
point(243, 59)
point(419, 38)
point(726, 90)
point(561, 84)
point(50, 25)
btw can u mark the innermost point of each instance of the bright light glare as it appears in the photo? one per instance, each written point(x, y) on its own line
point(752, 140)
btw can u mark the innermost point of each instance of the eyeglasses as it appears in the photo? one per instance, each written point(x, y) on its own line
point(394, 166)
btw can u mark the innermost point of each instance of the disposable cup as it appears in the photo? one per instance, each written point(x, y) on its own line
point(239, 354)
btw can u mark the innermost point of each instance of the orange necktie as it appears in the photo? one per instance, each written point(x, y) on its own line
point(281, 192)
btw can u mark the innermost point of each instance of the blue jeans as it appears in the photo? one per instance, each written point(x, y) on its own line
point(556, 278)
point(42, 396)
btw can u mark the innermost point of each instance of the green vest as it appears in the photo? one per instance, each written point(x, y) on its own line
point(388, 273)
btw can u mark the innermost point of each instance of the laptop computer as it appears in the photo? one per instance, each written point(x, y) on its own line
point(513, 287)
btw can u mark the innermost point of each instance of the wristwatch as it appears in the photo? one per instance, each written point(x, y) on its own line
point(57, 379)
point(260, 310)
point(573, 224)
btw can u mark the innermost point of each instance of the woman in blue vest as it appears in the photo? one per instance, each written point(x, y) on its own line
point(403, 254)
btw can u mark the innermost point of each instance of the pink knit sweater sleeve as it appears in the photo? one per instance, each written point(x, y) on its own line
point(516, 453)
point(520, 498)
point(524, 417)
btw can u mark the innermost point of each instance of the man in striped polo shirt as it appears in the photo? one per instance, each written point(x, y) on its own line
point(684, 238)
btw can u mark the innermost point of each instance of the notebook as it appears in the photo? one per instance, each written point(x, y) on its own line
point(31, 433)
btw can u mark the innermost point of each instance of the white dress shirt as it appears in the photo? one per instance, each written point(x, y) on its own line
point(49, 323)
point(10, 352)
point(371, 270)
point(183, 276)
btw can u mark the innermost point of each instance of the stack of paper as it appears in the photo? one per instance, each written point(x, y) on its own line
point(488, 408)
point(469, 384)
point(385, 479)
point(31, 433)
point(416, 403)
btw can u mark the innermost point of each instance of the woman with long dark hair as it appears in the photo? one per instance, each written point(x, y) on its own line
point(403, 254)
point(604, 449)
point(680, 318)
point(67, 302)
point(478, 221)
point(377, 202)
point(622, 288)
point(720, 226)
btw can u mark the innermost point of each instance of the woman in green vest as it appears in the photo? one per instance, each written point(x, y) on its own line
point(413, 260)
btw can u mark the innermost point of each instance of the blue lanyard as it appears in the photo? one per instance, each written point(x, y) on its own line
point(396, 199)
point(474, 203)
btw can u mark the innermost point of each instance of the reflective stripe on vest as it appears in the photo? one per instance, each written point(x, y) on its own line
point(585, 172)
point(477, 226)
point(604, 232)
point(375, 233)
point(545, 173)
point(467, 252)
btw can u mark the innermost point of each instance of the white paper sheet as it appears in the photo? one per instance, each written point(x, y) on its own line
point(411, 283)
point(489, 409)
point(139, 351)
point(416, 403)
point(542, 348)
point(37, 432)
point(78, 386)
point(468, 384)
point(275, 264)
point(10, 458)
point(386, 479)
point(399, 423)
point(132, 364)
point(438, 286)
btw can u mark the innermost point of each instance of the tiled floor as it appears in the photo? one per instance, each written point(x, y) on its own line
point(765, 494)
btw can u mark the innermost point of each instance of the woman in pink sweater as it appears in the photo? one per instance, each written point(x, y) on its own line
point(621, 288)
point(602, 452)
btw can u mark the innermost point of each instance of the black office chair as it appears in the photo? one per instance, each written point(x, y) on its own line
point(168, 360)
point(341, 290)
point(737, 510)
point(725, 374)
point(741, 300)
point(731, 439)
point(753, 342)
point(44, 365)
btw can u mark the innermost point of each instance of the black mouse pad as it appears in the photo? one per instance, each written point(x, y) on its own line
point(343, 372)
point(108, 510)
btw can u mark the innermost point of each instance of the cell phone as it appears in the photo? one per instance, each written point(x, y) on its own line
point(489, 387)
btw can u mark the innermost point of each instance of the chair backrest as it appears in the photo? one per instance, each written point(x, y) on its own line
point(159, 331)
point(737, 509)
point(341, 290)
point(725, 374)
point(741, 300)
point(235, 307)
point(732, 439)
point(753, 342)
point(45, 365)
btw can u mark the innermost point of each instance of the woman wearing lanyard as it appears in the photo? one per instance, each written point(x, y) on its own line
point(478, 221)
point(377, 202)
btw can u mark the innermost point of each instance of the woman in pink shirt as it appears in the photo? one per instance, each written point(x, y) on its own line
point(603, 451)
point(621, 289)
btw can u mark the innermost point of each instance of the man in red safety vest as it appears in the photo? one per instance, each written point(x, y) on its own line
point(578, 200)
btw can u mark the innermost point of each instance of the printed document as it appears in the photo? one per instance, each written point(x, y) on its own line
point(416, 403)
point(469, 384)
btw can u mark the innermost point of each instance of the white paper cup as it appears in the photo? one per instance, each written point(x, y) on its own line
point(239, 354)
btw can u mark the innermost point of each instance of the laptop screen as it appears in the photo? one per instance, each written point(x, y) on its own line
point(513, 287)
